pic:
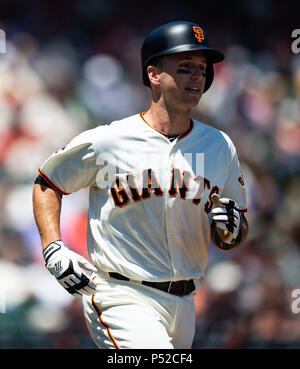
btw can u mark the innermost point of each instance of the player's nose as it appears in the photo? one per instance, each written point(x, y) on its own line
point(198, 74)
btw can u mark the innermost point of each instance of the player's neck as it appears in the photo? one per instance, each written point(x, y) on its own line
point(166, 121)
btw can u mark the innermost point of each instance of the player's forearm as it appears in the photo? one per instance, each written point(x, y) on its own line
point(221, 235)
point(47, 209)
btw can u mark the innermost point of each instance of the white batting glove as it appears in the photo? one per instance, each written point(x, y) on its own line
point(227, 216)
point(67, 267)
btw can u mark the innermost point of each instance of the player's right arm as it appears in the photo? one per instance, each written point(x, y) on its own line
point(64, 172)
point(67, 267)
point(46, 210)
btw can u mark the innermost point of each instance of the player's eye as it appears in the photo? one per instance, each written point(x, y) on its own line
point(184, 68)
point(186, 65)
point(203, 70)
point(183, 71)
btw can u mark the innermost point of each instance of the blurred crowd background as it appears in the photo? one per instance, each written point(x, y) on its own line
point(72, 65)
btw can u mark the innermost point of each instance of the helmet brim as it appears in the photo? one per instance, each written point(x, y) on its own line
point(213, 56)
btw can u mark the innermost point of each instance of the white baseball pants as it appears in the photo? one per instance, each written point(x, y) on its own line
point(127, 315)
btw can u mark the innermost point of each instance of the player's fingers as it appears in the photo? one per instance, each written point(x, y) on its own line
point(221, 226)
point(88, 282)
point(73, 281)
point(87, 290)
point(71, 289)
point(221, 218)
point(91, 284)
point(219, 211)
point(226, 227)
point(74, 292)
point(227, 219)
point(90, 290)
point(228, 203)
point(236, 215)
point(231, 211)
point(216, 199)
point(70, 280)
point(83, 263)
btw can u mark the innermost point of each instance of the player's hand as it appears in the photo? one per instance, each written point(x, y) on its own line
point(227, 217)
point(70, 269)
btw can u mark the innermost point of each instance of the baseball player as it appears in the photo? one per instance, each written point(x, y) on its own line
point(161, 186)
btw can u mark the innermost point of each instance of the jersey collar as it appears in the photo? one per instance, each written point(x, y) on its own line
point(180, 137)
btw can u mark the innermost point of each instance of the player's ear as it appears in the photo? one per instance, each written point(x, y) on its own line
point(153, 74)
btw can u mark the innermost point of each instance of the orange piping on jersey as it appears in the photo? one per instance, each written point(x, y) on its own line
point(188, 131)
point(181, 136)
point(142, 116)
point(104, 324)
point(243, 210)
point(43, 175)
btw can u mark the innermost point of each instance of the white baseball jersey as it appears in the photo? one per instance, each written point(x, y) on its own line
point(149, 204)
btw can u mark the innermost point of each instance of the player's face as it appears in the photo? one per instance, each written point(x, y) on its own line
point(182, 79)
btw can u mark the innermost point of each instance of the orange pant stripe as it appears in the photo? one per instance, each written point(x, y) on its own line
point(104, 324)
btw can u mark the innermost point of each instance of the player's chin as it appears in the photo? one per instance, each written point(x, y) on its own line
point(192, 97)
point(193, 101)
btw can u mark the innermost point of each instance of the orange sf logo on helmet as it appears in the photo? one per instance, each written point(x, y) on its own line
point(198, 33)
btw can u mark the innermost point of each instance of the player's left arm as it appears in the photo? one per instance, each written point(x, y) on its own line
point(229, 227)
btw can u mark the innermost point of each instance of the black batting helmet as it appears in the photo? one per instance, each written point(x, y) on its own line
point(177, 37)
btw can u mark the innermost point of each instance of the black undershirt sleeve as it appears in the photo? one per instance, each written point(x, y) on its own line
point(40, 180)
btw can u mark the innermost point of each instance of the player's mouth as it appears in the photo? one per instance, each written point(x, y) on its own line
point(193, 90)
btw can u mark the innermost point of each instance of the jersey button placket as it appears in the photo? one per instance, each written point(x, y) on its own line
point(168, 203)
